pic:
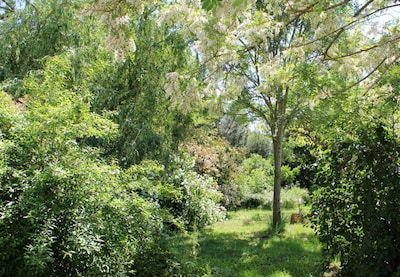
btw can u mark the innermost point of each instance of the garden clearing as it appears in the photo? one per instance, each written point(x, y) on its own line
point(244, 245)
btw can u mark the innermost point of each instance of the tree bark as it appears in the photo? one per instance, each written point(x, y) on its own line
point(277, 149)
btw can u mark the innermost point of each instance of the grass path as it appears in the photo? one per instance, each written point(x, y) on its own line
point(243, 246)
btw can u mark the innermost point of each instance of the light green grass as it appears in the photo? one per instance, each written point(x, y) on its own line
point(245, 246)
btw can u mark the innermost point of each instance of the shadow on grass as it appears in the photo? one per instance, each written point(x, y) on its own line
point(258, 254)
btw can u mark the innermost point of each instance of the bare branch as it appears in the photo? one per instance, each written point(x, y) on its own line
point(267, 99)
point(257, 69)
point(357, 13)
point(256, 109)
point(10, 7)
point(251, 79)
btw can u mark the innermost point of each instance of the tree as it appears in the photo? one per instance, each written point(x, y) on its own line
point(233, 131)
point(65, 208)
point(133, 89)
point(33, 30)
point(259, 143)
point(274, 57)
point(249, 57)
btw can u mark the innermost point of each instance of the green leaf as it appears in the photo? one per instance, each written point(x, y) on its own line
point(237, 3)
point(209, 5)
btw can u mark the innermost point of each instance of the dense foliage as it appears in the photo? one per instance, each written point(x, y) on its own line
point(256, 184)
point(67, 212)
point(356, 209)
point(149, 127)
point(124, 122)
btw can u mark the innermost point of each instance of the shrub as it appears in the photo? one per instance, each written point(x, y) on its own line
point(61, 222)
point(356, 210)
point(200, 204)
point(215, 157)
point(187, 199)
point(256, 181)
point(63, 210)
point(290, 197)
point(259, 143)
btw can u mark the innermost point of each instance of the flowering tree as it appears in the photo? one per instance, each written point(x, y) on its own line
point(275, 57)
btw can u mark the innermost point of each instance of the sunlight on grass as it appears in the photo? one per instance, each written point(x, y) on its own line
point(245, 246)
point(280, 274)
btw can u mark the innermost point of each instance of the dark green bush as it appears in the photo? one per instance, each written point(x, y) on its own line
point(356, 210)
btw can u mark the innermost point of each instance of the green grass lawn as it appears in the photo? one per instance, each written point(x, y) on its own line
point(244, 246)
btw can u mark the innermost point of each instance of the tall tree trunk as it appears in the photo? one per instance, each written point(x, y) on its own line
point(277, 149)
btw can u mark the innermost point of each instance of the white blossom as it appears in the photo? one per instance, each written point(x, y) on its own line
point(123, 20)
point(132, 45)
point(183, 91)
point(172, 86)
point(225, 39)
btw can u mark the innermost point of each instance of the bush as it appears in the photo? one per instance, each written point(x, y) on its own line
point(259, 143)
point(290, 197)
point(256, 182)
point(356, 210)
point(200, 204)
point(61, 222)
point(215, 157)
point(188, 200)
point(63, 210)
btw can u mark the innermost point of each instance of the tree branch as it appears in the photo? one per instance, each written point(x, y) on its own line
point(337, 5)
point(325, 54)
point(396, 59)
point(362, 8)
point(339, 31)
point(9, 7)
point(366, 76)
point(363, 50)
